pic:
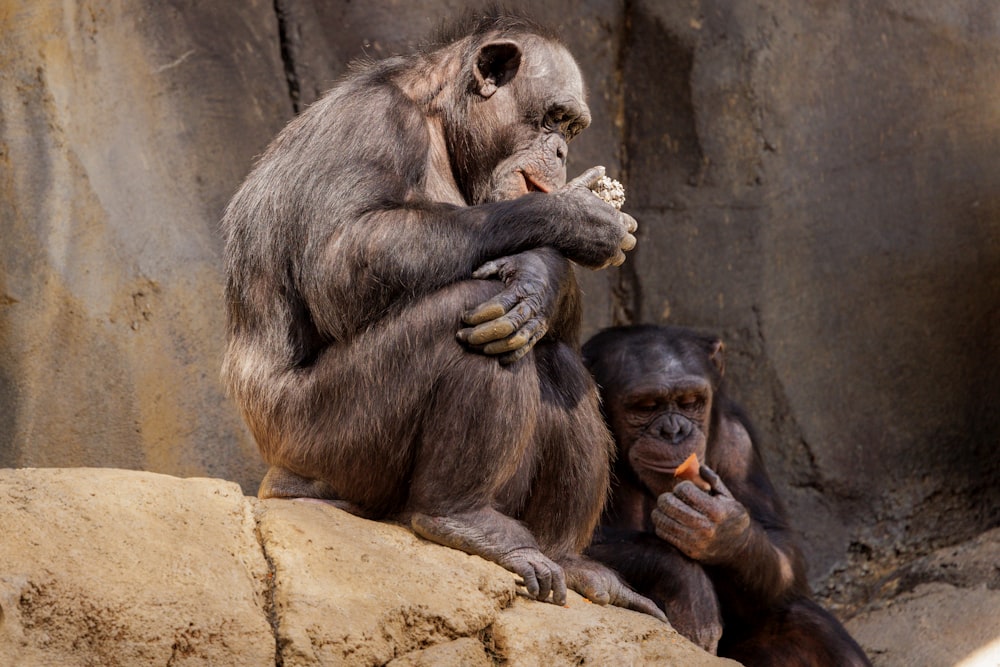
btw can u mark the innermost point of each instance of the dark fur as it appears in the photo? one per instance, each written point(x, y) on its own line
point(350, 253)
point(764, 617)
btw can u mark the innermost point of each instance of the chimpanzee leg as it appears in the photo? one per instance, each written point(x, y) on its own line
point(678, 585)
point(476, 437)
point(800, 634)
point(569, 480)
point(473, 432)
point(574, 450)
point(354, 425)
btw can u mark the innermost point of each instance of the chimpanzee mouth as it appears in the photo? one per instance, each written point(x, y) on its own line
point(533, 186)
point(660, 467)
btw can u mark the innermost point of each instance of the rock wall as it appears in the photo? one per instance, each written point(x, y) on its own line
point(124, 129)
point(114, 567)
point(816, 181)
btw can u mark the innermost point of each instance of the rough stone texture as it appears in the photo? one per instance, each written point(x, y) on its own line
point(340, 597)
point(353, 591)
point(940, 610)
point(535, 635)
point(113, 567)
point(816, 181)
point(124, 129)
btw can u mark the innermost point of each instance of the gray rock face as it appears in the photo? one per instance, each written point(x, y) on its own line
point(815, 181)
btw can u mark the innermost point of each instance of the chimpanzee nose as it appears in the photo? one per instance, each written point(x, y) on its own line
point(561, 153)
point(675, 429)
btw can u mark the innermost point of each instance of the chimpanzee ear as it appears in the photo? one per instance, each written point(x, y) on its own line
point(715, 353)
point(496, 64)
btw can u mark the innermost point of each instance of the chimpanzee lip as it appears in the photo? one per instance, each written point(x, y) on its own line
point(533, 185)
point(657, 466)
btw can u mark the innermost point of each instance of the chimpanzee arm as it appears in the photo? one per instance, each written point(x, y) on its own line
point(338, 208)
point(397, 253)
point(741, 536)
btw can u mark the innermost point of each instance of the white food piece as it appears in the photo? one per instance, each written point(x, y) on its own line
point(610, 191)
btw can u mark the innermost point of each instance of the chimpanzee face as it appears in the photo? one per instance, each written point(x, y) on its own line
point(525, 104)
point(659, 388)
point(660, 419)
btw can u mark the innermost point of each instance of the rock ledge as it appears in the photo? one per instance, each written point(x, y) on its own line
point(115, 567)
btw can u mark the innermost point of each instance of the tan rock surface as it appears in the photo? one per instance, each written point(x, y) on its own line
point(941, 610)
point(112, 567)
point(934, 625)
point(352, 590)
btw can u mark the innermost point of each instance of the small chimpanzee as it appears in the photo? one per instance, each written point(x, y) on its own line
point(723, 564)
point(418, 189)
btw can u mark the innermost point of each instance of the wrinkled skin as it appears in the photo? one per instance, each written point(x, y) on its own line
point(712, 528)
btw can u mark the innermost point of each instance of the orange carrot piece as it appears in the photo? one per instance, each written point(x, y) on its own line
point(689, 470)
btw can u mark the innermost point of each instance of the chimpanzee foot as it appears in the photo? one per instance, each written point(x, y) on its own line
point(499, 539)
point(283, 483)
point(602, 586)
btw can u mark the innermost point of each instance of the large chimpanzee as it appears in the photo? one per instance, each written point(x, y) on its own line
point(420, 189)
point(722, 564)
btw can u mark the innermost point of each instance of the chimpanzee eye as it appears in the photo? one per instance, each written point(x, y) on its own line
point(644, 405)
point(562, 121)
point(690, 402)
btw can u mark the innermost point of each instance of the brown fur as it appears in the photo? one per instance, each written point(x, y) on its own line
point(350, 251)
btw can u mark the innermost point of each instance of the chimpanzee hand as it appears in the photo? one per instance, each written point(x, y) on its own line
point(600, 234)
point(711, 529)
point(602, 586)
point(514, 320)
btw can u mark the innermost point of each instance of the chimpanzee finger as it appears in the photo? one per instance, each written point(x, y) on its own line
point(529, 580)
point(630, 223)
point(559, 587)
point(499, 329)
point(519, 340)
point(628, 243)
point(701, 501)
point(623, 597)
point(587, 178)
point(487, 270)
point(679, 505)
point(493, 309)
point(617, 260)
point(516, 326)
point(544, 577)
point(669, 529)
point(511, 357)
point(713, 479)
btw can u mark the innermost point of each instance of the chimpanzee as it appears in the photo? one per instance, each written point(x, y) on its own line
point(723, 564)
point(403, 315)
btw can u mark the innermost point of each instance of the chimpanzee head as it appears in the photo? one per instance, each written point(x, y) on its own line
point(657, 385)
point(517, 102)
